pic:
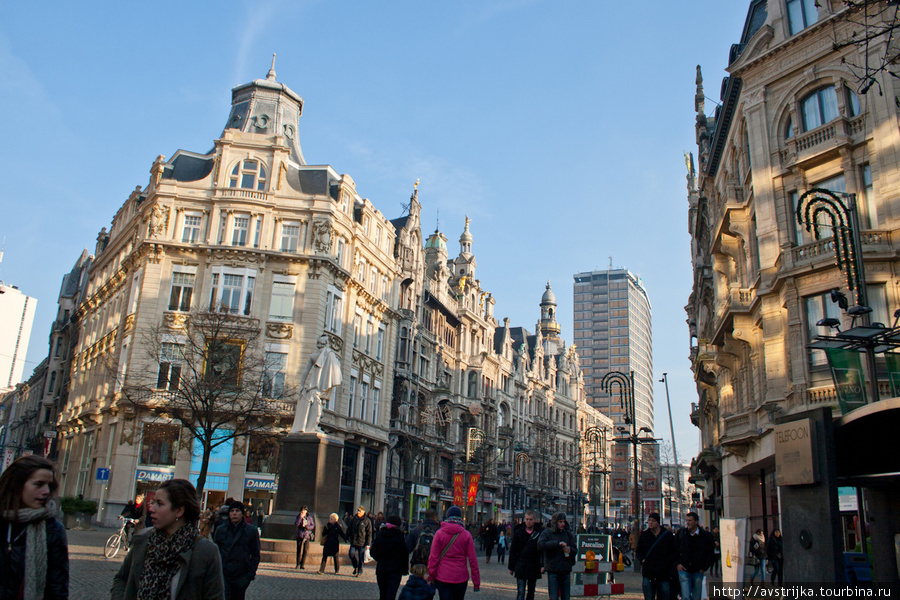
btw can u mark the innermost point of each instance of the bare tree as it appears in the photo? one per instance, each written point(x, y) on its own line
point(873, 22)
point(212, 378)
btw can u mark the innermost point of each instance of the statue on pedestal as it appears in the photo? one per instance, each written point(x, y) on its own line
point(321, 376)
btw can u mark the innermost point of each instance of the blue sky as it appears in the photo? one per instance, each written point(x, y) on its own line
point(558, 127)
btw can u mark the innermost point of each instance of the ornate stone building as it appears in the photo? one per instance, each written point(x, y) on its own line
point(796, 113)
point(290, 250)
point(473, 396)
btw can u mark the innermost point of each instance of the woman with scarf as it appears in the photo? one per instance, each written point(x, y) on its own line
point(34, 560)
point(171, 561)
point(758, 551)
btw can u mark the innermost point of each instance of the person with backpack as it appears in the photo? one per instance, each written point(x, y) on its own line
point(419, 540)
point(389, 549)
point(657, 554)
point(452, 557)
point(525, 557)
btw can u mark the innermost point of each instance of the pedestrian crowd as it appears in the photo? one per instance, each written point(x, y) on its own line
point(186, 554)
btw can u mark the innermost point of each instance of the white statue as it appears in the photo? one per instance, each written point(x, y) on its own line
point(321, 376)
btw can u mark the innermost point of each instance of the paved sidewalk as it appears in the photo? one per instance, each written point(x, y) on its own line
point(91, 577)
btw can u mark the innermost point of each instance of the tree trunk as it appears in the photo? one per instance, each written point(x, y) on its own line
point(204, 466)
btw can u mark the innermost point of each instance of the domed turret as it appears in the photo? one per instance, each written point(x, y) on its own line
point(549, 327)
point(270, 108)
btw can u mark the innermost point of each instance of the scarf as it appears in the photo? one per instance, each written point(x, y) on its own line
point(35, 545)
point(163, 560)
point(457, 520)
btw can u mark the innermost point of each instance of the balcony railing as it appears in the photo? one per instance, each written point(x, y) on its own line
point(872, 240)
point(243, 194)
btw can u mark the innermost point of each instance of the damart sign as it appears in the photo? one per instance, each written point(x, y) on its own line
point(795, 453)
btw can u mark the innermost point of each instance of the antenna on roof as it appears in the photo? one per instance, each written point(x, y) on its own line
point(437, 226)
point(271, 74)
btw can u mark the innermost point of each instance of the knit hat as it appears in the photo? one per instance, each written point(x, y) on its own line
point(236, 505)
point(654, 516)
point(453, 511)
point(559, 516)
point(395, 521)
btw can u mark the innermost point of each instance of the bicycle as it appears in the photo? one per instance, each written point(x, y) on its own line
point(121, 538)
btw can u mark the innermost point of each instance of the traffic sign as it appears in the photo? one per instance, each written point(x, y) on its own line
point(102, 474)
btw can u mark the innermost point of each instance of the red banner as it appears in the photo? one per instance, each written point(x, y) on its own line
point(459, 489)
point(473, 488)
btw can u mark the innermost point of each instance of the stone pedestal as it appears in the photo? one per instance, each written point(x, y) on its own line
point(310, 475)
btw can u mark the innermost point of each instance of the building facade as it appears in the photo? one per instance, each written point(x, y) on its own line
point(16, 318)
point(287, 251)
point(613, 333)
point(796, 115)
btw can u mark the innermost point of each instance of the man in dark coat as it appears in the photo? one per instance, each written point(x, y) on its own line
point(389, 549)
point(657, 553)
point(558, 545)
point(696, 550)
point(238, 543)
point(359, 535)
point(525, 557)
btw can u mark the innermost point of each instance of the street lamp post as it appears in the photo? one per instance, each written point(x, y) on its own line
point(595, 438)
point(623, 385)
point(665, 379)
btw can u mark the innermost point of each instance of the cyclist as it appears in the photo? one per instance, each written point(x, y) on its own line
point(133, 510)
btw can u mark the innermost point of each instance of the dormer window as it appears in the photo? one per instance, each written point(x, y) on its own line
point(248, 175)
point(801, 14)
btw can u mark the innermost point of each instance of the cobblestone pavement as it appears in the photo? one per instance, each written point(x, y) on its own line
point(91, 577)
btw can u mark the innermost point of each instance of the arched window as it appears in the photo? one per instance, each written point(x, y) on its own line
point(249, 175)
point(819, 108)
point(789, 129)
point(852, 102)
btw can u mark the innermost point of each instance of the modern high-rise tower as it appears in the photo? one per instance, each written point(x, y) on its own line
point(16, 318)
point(612, 333)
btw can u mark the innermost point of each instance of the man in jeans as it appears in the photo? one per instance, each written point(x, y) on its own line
point(696, 550)
point(558, 545)
point(359, 534)
point(657, 553)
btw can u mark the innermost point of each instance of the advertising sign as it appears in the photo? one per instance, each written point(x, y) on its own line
point(459, 489)
point(255, 483)
point(153, 475)
point(219, 459)
point(795, 453)
point(473, 488)
point(847, 373)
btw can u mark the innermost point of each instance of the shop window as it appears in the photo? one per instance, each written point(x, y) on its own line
point(263, 454)
point(159, 444)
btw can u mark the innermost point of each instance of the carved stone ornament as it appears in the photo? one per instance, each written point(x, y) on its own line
point(159, 219)
point(175, 320)
point(335, 342)
point(129, 323)
point(322, 235)
point(128, 429)
point(280, 331)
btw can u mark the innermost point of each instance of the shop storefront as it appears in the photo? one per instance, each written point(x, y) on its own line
point(217, 472)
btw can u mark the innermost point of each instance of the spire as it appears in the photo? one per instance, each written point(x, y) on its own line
point(465, 240)
point(271, 74)
point(549, 327)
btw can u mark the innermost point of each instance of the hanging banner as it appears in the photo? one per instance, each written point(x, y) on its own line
point(459, 489)
point(473, 488)
point(847, 374)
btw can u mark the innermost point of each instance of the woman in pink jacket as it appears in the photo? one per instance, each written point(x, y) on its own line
point(451, 550)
